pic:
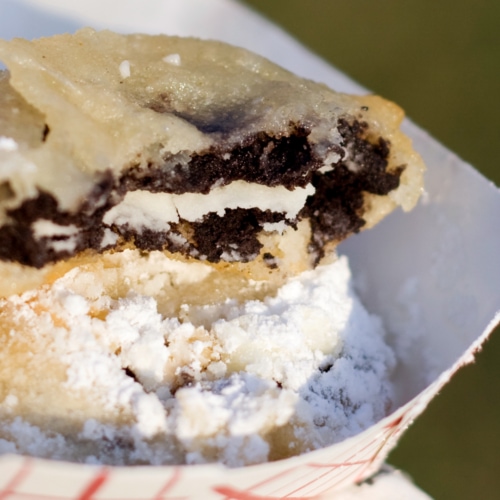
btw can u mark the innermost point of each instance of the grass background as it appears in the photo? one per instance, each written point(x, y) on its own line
point(441, 62)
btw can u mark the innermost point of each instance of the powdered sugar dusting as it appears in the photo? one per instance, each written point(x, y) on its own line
point(8, 144)
point(264, 380)
point(174, 59)
point(124, 69)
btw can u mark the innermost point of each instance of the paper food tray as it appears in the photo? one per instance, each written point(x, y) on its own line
point(432, 275)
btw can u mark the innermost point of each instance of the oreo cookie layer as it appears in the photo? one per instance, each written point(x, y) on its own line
point(335, 210)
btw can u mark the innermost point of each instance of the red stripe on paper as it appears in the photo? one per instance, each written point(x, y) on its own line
point(233, 494)
point(395, 423)
point(338, 465)
point(168, 485)
point(17, 479)
point(94, 486)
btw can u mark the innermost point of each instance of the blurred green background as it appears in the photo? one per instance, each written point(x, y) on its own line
point(441, 62)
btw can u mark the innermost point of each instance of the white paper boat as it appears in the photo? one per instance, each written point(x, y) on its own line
point(435, 284)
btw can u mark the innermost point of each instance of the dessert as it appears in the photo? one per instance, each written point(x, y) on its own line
point(169, 212)
point(196, 148)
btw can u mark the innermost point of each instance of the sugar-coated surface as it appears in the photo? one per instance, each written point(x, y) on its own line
point(103, 378)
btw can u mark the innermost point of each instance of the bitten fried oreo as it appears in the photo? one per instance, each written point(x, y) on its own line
point(169, 212)
point(195, 148)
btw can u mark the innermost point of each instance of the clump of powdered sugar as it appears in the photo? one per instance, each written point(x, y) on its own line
point(267, 379)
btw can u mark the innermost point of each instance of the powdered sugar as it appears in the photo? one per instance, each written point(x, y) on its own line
point(260, 380)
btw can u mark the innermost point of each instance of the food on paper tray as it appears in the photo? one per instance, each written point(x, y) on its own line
point(169, 213)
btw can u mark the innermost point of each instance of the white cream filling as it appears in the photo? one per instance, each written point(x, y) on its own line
point(67, 235)
point(109, 238)
point(271, 227)
point(44, 228)
point(143, 209)
point(66, 245)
